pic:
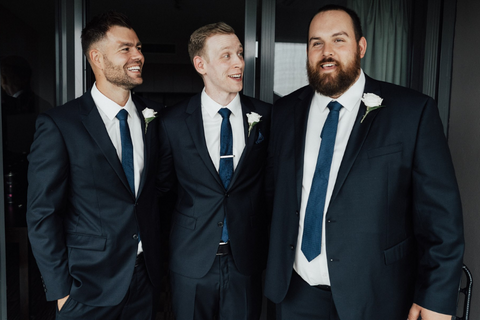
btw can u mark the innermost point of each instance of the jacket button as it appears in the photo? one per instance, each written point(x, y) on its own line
point(291, 246)
point(226, 195)
point(296, 212)
point(135, 236)
point(220, 224)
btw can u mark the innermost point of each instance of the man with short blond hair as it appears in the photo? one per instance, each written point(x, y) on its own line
point(214, 145)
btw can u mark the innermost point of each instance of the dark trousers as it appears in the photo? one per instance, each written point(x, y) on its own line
point(222, 294)
point(305, 302)
point(138, 303)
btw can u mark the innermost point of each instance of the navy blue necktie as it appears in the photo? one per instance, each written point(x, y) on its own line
point(225, 169)
point(312, 226)
point(127, 148)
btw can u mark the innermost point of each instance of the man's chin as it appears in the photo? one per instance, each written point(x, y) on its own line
point(327, 78)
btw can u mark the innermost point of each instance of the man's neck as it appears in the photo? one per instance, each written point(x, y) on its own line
point(117, 94)
point(222, 98)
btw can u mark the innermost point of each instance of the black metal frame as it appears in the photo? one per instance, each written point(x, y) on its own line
point(467, 291)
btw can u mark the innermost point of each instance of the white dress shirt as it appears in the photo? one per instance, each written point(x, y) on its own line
point(212, 122)
point(315, 272)
point(108, 111)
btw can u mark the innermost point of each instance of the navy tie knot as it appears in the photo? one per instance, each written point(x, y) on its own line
point(225, 113)
point(334, 106)
point(122, 114)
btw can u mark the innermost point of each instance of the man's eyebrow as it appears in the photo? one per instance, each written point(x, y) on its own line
point(341, 33)
point(129, 44)
point(230, 48)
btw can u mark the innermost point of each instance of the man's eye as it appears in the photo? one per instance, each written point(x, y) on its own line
point(240, 54)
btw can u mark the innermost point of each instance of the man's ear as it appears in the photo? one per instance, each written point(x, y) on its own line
point(199, 64)
point(96, 58)
point(362, 44)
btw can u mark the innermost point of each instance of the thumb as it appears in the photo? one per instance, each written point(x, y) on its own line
point(414, 313)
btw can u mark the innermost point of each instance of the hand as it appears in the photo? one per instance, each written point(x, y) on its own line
point(61, 302)
point(416, 311)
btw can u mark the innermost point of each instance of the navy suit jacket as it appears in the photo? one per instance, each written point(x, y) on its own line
point(202, 200)
point(82, 217)
point(394, 228)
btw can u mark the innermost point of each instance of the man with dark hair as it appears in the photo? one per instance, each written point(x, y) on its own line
point(214, 145)
point(92, 209)
point(367, 220)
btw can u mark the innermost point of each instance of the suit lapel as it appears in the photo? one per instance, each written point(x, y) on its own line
point(140, 106)
point(247, 107)
point(194, 122)
point(357, 137)
point(301, 109)
point(96, 128)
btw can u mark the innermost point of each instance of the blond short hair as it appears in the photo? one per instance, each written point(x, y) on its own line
point(196, 45)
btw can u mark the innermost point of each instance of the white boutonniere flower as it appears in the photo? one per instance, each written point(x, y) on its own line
point(253, 119)
point(372, 102)
point(149, 115)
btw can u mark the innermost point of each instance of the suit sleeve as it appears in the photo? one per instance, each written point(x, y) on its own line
point(269, 171)
point(437, 217)
point(166, 179)
point(48, 174)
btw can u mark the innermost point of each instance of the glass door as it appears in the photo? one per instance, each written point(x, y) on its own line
point(27, 63)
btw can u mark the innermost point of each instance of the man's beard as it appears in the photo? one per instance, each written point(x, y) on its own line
point(118, 76)
point(330, 85)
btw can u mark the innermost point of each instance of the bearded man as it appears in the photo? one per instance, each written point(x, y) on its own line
point(92, 211)
point(367, 220)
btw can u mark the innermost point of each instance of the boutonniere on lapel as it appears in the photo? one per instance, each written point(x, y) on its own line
point(372, 102)
point(149, 115)
point(253, 119)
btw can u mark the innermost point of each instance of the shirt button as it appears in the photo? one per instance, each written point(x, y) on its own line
point(135, 236)
point(220, 224)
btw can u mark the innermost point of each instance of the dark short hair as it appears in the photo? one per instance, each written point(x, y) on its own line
point(196, 45)
point(357, 26)
point(97, 28)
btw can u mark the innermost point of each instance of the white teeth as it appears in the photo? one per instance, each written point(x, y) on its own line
point(236, 76)
point(329, 65)
point(134, 69)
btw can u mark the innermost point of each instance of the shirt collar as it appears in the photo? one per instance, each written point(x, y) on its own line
point(212, 107)
point(109, 107)
point(349, 98)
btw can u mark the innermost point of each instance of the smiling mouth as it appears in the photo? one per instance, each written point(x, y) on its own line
point(134, 69)
point(328, 65)
point(235, 76)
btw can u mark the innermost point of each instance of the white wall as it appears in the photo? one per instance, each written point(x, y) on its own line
point(464, 133)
